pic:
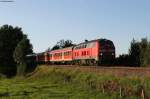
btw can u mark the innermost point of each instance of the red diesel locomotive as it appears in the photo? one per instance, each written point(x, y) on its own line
point(94, 52)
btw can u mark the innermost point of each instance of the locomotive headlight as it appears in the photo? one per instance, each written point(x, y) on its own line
point(113, 54)
point(101, 54)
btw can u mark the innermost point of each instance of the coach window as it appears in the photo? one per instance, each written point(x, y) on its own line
point(84, 52)
point(65, 53)
point(56, 54)
point(68, 53)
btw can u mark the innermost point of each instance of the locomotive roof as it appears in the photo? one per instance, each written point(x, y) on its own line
point(100, 40)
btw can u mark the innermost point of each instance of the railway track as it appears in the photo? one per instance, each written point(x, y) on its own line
point(116, 71)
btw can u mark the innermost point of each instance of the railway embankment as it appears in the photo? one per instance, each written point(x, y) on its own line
point(117, 82)
point(118, 71)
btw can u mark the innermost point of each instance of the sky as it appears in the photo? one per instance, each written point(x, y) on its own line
point(48, 21)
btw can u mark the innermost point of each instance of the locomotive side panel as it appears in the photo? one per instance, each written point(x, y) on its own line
point(86, 51)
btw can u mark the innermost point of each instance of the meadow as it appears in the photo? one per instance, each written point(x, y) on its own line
point(55, 83)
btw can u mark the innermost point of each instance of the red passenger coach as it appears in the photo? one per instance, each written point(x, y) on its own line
point(61, 55)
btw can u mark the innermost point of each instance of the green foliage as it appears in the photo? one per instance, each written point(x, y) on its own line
point(139, 53)
point(134, 53)
point(145, 52)
point(23, 48)
point(55, 47)
point(62, 44)
point(123, 60)
point(9, 38)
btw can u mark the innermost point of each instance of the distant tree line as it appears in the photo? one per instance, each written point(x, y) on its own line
point(139, 54)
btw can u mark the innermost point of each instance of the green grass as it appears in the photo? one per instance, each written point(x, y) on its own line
point(54, 83)
point(45, 89)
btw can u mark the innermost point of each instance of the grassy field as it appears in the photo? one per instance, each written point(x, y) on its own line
point(54, 83)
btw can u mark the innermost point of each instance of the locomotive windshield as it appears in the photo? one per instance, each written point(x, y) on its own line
point(106, 44)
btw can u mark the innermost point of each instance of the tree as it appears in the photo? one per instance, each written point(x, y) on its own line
point(122, 60)
point(144, 55)
point(68, 43)
point(134, 53)
point(55, 47)
point(23, 48)
point(147, 56)
point(9, 38)
point(62, 44)
point(139, 53)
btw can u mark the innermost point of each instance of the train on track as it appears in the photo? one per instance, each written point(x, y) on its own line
point(94, 52)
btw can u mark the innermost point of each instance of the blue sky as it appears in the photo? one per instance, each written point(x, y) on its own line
point(47, 21)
